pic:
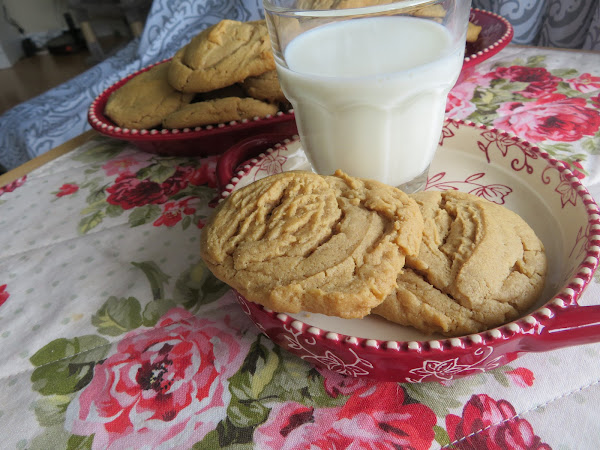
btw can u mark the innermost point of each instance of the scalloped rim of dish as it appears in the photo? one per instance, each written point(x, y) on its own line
point(536, 319)
point(110, 129)
point(494, 48)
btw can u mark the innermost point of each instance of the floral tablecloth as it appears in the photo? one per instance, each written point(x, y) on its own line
point(114, 335)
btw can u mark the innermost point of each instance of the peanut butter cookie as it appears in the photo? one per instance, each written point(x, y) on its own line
point(220, 110)
point(264, 87)
point(298, 241)
point(480, 265)
point(223, 54)
point(145, 100)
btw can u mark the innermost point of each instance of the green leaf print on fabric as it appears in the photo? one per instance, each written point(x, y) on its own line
point(440, 398)
point(80, 442)
point(592, 144)
point(500, 377)
point(227, 436)
point(441, 436)
point(52, 437)
point(247, 385)
point(143, 215)
point(156, 277)
point(156, 172)
point(155, 310)
point(564, 88)
point(51, 410)
point(90, 222)
point(65, 366)
point(296, 380)
point(96, 196)
point(102, 150)
point(197, 286)
point(564, 73)
point(117, 316)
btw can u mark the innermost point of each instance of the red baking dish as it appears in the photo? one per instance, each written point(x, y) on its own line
point(199, 141)
point(471, 158)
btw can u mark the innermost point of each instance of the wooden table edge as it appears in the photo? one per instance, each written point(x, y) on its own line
point(44, 158)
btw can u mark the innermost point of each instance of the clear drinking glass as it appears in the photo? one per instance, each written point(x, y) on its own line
point(368, 80)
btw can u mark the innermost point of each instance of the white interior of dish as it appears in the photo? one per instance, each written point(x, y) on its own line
point(534, 197)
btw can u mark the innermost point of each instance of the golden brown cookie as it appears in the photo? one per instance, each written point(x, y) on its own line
point(473, 32)
point(220, 110)
point(480, 265)
point(298, 241)
point(264, 87)
point(223, 54)
point(145, 99)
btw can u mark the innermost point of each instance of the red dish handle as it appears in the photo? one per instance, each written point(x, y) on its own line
point(575, 325)
point(241, 152)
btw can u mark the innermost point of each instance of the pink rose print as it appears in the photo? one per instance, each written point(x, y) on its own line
point(168, 384)
point(3, 294)
point(67, 189)
point(541, 82)
point(173, 213)
point(127, 164)
point(375, 419)
point(521, 377)
point(459, 105)
point(13, 185)
point(337, 384)
point(492, 425)
point(585, 83)
point(554, 117)
point(129, 192)
point(176, 182)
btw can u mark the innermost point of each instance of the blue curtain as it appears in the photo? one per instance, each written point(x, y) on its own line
point(550, 23)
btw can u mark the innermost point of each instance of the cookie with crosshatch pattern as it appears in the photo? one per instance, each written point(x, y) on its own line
point(298, 241)
point(223, 54)
point(479, 266)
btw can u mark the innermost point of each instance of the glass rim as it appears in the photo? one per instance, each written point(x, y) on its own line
point(321, 13)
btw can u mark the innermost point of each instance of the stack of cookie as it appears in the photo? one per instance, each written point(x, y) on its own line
point(447, 262)
point(226, 73)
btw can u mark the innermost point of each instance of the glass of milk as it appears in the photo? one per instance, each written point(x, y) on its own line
point(368, 80)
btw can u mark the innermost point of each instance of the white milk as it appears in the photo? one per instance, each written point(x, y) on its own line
point(369, 94)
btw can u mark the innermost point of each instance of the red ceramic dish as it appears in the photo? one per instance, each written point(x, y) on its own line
point(486, 162)
point(496, 33)
point(199, 141)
